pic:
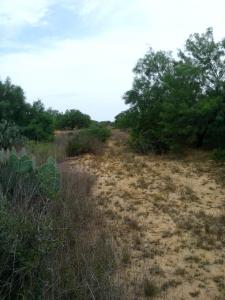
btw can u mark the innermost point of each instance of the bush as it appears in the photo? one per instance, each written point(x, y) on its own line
point(72, 119)
point(101, 133)
point(51, 249)
point(10, 135)
point(88, 140)
point(82, 143)
point(25, 226)
point(24, 243)
point(43, 150)
point(218, 154)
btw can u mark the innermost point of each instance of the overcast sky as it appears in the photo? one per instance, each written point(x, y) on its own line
point(80, 53)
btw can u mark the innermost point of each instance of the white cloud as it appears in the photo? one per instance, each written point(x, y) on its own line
point(23, 12)
point(92, 73)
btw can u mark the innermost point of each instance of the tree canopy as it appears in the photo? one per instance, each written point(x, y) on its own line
point(33, 120)
point(179, 101)
point(72, 119)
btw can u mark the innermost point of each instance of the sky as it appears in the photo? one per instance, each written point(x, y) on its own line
point(79, 54)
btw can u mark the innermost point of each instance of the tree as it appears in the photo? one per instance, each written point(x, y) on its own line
point(39, 123)
point(32, 120)
point(72, 119)
point(126, 119)
point(13, 107)
point(180, 101)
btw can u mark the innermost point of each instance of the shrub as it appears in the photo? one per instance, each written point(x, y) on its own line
point(39, 124)
point(150, 288)
point(25, 226)
point(9, 135)
point(43, 150)
point(88, 140)
point(24, 242)
point(218, 154)
point(101, 133)
point(72, 119)
point(82, 143)
point(51, 249)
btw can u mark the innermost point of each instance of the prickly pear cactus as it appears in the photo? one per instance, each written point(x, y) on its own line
point(48, 177)
point(20, 169)
point(21, 164)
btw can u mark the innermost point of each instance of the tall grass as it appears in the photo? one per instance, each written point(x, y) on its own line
point(54, 248)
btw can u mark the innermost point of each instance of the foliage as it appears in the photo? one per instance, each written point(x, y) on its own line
point(83, 142)
point(179, 101)
point(72, 119)
point(9, 135)
point(20, 178)
point(43, 150)
point(100, 132)
point(25, 228)
point(36, 233)
point(218, 154)
point(89, 140)
point(13, 107)
point(39, 125)
point(23, 247)
point(125, 119)
point(32, 120)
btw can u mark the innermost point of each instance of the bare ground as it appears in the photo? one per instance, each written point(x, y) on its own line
point(167, 219)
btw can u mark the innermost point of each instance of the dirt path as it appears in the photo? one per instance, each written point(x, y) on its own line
point(167, 218)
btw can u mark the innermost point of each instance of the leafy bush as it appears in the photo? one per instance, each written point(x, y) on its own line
point(125, 119)
point(218, 154)
point(82, 143)
point(88, 140)
point(72, 119)
point(101, 133)
point(33, 121)
point(39, 124)
point(9, 135)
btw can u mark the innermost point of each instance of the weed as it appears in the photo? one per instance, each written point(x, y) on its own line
point(150, 288)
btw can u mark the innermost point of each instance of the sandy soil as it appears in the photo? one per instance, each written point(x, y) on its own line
point(167, 219)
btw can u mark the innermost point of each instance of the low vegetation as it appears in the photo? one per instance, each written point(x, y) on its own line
point(53, 245)
point(90, 140)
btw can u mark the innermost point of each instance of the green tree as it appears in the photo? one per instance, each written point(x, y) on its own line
point(32, 120)
point(39, 123)
point(73, 119)
point(126, 119)
point(13, 107)
point(180, 101)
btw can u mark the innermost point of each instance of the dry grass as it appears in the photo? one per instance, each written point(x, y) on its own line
point(86, 253)
point(166, 216)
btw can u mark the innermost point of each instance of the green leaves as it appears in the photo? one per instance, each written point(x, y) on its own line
point(9, 135)
point(48, 177)
point(179, 101)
